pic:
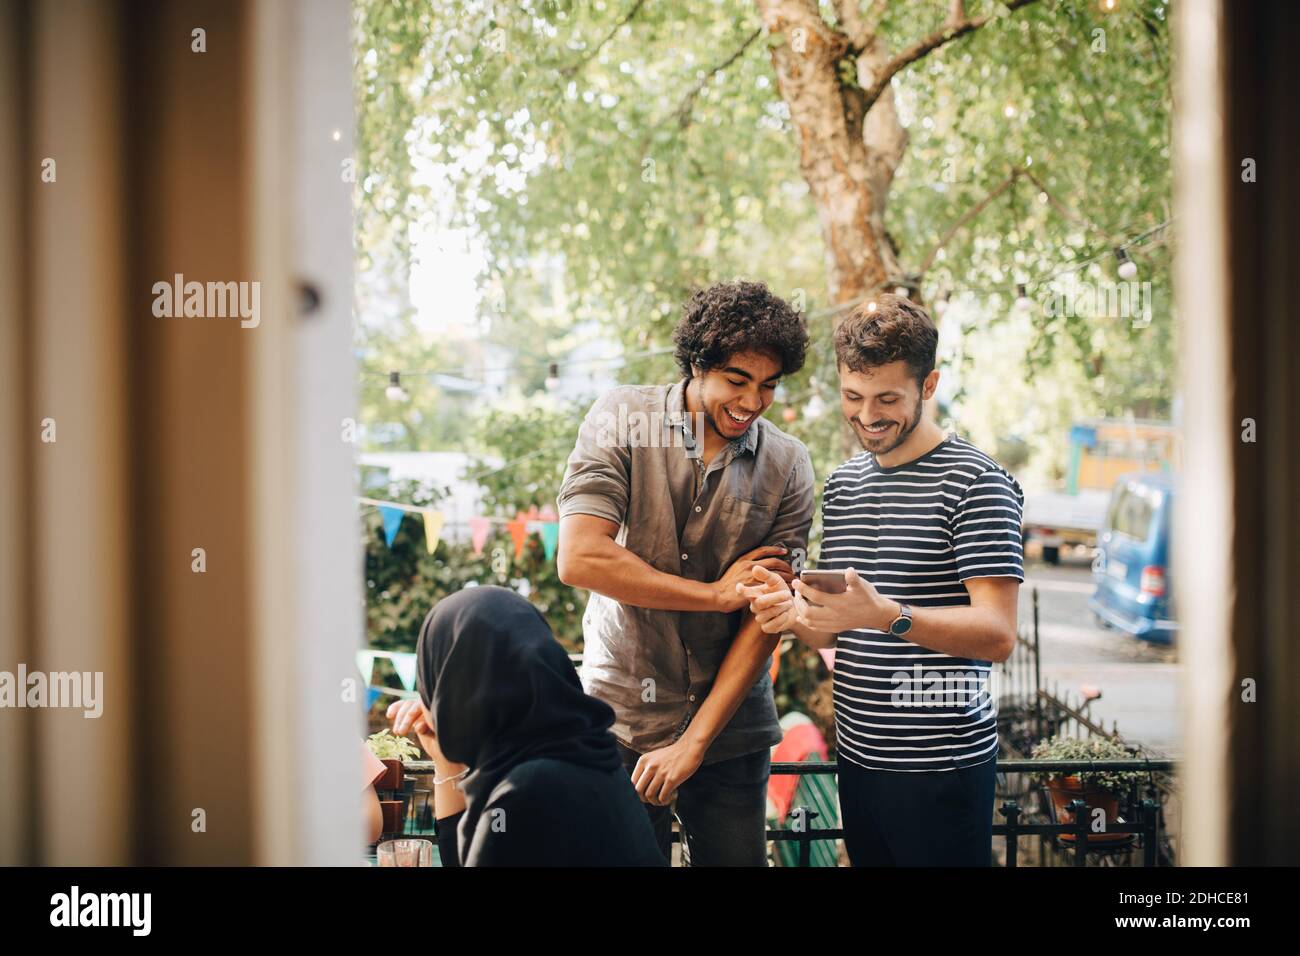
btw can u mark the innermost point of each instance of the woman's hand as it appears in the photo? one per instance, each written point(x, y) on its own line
point(410, 715)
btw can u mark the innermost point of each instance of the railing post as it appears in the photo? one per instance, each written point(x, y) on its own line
point(1038, 675)
point(808, 815)
point(1150, 837)
point(1011, 810)
point(1080, 832)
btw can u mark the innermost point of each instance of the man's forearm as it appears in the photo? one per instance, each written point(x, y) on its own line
point(740, 668)
point(612, 570)
point(978, 633)
point(972, 632)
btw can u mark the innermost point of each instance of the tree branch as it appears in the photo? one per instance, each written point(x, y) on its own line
point(966, 217)
point(876, 14)
point(1066, 214)
point(851, 22)
point(683, 111)
point(572, 69)
point(950, 31)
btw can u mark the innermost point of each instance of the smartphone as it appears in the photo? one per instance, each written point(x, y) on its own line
point(829, 582)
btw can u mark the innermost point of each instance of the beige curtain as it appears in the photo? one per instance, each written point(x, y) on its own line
point(172, 438)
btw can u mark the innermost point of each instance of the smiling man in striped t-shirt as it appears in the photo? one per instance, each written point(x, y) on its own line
point(926, 529)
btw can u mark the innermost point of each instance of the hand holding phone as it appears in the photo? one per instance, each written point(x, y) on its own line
point(828, 582)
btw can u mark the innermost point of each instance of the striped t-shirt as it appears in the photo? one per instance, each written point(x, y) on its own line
point(917, 531)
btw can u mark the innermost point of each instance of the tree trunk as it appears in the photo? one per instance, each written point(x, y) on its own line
point(847, 154)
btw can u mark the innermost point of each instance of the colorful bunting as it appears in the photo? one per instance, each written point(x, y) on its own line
point(433, 521)
point(478, 532)
point(392, 518)
point(543, 521)
point(366, 664)
point(372, 695)
point(518, 533)
point(550, 538)
point(404, 664)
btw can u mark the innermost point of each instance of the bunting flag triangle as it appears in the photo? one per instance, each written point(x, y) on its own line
point(372, 695)
point(433, 521)
point(478, 532)
point(366, 664)
point(392, 521)
point(404, 664)
point(550, 537)
point(519, 533)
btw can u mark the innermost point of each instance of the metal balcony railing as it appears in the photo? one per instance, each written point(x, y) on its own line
point(1146, 827)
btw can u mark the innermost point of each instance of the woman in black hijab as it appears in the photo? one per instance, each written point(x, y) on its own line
point(545, 785)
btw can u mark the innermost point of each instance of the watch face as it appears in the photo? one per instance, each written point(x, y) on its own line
point(901, 626)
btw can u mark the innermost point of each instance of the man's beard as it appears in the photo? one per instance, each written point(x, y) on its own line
point(904, 432)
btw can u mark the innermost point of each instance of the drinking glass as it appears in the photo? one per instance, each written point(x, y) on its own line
point(405, 853)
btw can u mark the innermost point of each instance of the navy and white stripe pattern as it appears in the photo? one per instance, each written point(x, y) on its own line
point(917, 531)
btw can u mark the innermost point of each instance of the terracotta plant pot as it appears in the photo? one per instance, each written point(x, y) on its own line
point(392, 779)
point(1063, 790)
point(392, 813)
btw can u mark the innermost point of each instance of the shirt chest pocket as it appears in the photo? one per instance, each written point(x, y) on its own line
point(744, 524)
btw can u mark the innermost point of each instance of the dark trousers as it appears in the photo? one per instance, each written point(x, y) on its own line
point(895, 818)
point(722, 809)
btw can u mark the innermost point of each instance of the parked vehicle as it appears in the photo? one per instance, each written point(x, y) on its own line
point(1131, 570)
point(1101, 450)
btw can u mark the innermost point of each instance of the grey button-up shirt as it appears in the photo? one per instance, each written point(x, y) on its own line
point(636, 463)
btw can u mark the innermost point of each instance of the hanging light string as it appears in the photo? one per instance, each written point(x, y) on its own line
point(1120, 252)
point(1020, 288)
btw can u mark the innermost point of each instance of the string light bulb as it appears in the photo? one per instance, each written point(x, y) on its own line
point(1022, 297)
point(394, 391)
point(552, 377)
point(1128, 269)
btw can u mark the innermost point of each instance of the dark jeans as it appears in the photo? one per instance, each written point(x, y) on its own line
point(722, 809)
point(894, 818)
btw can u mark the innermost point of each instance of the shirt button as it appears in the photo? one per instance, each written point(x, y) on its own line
point(698, 509)
point(686, 557)
point(692, 697)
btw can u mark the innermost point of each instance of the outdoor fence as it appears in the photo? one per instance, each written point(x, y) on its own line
point(1027, 712)
point(1142, 834)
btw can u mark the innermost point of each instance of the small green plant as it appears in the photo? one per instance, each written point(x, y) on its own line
point(1088, 748)
point(386, 746)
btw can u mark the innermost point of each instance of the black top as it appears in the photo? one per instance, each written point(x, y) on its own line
point(549, 813)
point(546, 785)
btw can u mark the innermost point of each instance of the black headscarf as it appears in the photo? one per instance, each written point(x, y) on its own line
point(501, 691)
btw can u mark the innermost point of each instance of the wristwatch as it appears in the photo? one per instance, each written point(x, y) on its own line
point(902, 624)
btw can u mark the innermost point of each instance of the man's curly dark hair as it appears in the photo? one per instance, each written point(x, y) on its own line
point(733, 317)
point(888, 329)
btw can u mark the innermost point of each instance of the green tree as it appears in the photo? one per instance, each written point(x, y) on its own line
point(653, 147)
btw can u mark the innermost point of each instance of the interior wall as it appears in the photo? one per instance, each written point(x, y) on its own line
point(1262, 127)
point(176, 434)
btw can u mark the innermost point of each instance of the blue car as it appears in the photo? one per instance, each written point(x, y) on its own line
point(1131, 570)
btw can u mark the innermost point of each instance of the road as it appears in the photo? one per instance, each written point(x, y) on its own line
point(1138, 680)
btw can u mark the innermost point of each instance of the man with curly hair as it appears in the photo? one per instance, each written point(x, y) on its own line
point(672, 495)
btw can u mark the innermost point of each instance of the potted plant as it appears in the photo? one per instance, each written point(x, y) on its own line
point(391, 750)
point(1096, 788)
